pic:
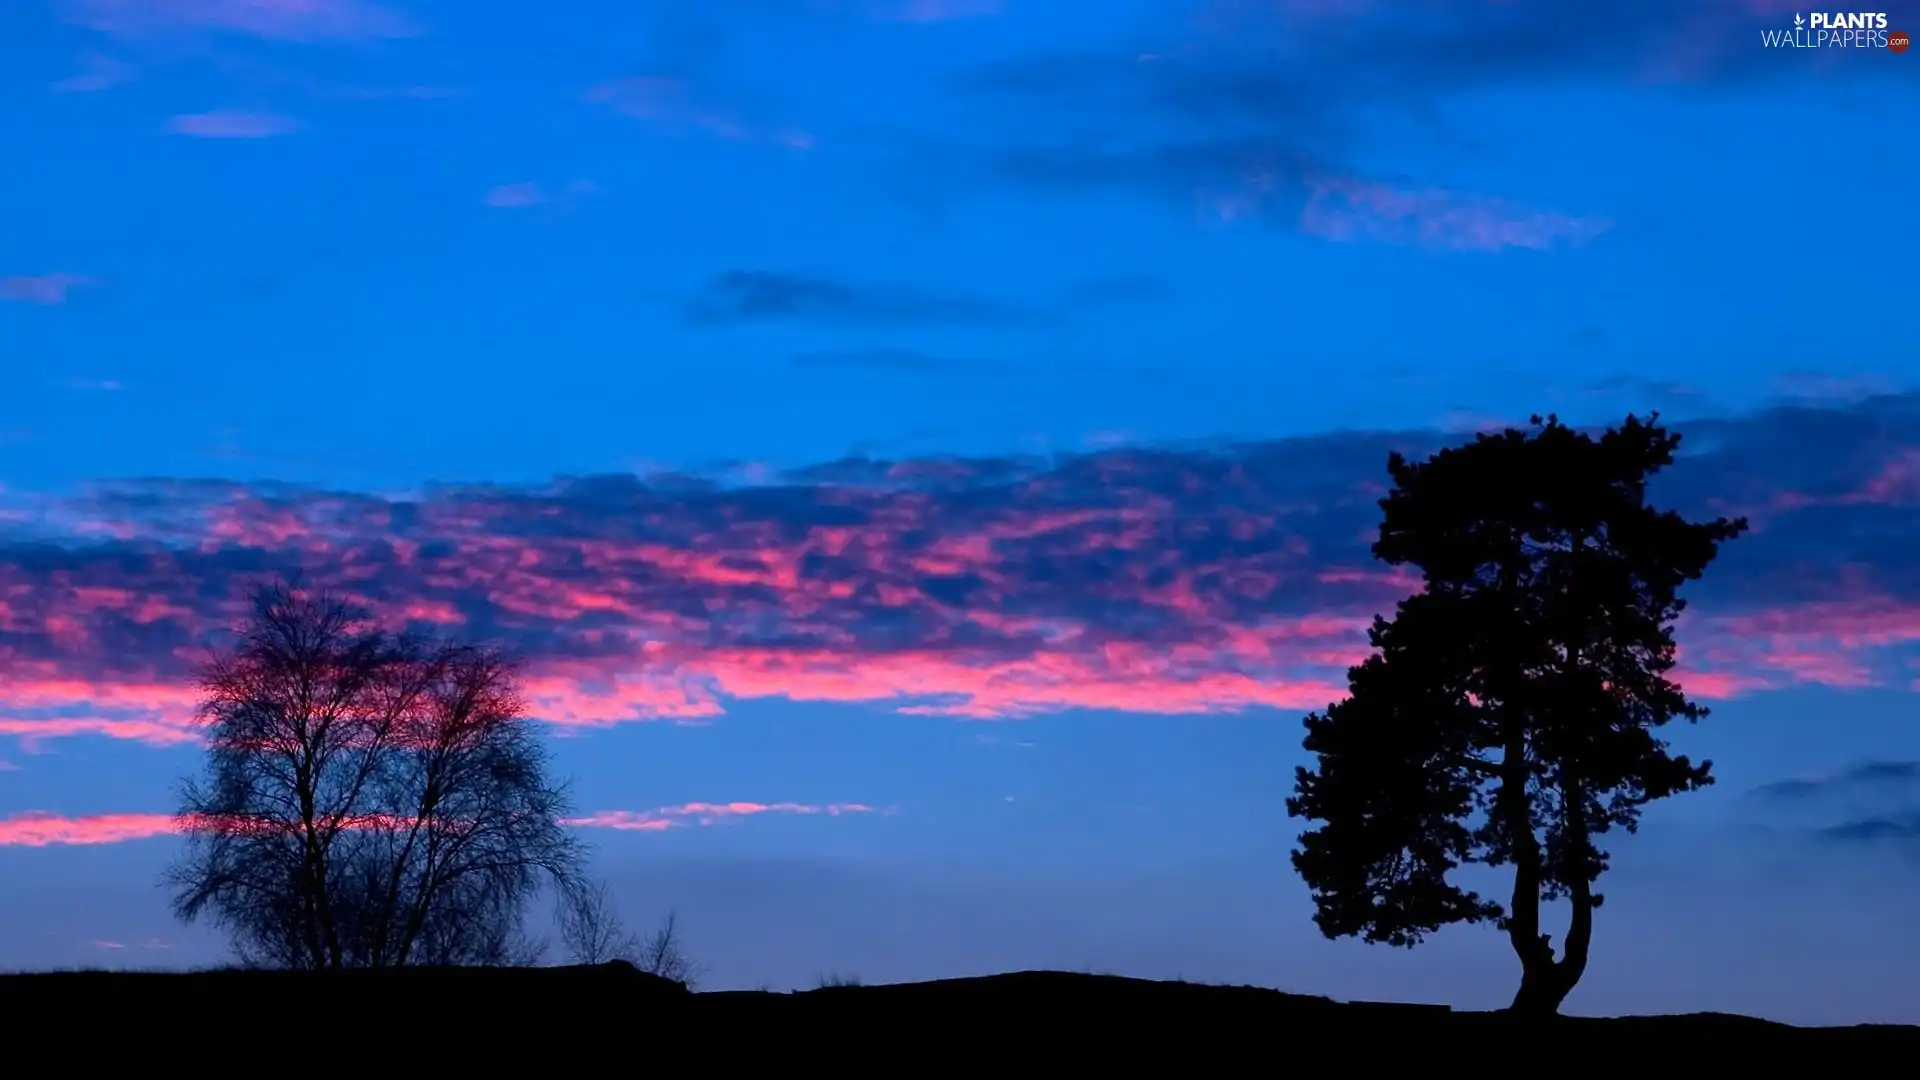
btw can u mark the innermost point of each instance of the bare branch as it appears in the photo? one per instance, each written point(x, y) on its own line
point(663, 954)
point(592, 931)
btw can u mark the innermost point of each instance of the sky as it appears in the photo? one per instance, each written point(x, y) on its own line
point(926, 450)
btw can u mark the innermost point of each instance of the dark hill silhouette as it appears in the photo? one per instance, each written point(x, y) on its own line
point(1029, 1016)
point(92, 990)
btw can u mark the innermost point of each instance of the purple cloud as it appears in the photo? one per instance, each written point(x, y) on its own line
point(43, 289)
point(232, 124)
point(526, 195)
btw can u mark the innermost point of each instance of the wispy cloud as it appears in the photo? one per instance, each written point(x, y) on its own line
point(1663, 393)
point(37, 829)
point(515, 196)
point(43, 289)
point(109, 945)
point(97, 73)
point(1871, 775)
point(1830, 387)
point(280, 20)
point(1241, 181)
point(108, 385)
point(1347, 210)
point(911, 361)
point(701, 813)
point(40, 829)
point(1870, 804)
point(1902, 829)
point(1236, 181)
point(527, 195)
point(675, 105)
point(743, 296)
point(232, 124)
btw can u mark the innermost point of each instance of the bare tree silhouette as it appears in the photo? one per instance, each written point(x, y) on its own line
point(593, 933)
point(369, 799)
point(662, 953)
point(591, 930)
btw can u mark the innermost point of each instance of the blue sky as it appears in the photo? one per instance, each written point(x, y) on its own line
point(957, 415)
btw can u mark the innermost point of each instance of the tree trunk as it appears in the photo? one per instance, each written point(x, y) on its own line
point(1544, 981)
point(1537, 967)
point(311, 884)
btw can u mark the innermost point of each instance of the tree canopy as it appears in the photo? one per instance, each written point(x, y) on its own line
point(1509, 714)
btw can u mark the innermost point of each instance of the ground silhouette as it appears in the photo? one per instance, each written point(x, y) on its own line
point(1024, 1017)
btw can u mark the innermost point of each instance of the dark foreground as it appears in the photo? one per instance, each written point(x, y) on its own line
point(1024, 1020)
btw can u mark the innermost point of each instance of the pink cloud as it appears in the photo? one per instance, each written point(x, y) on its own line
point(1893, 480)
point(1348, 210)
point(38, 701)
point(37, 829)
point(701, 813)
point(282, 20)
point(232, 124)
point(1830, 643)
point(43, 289)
